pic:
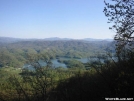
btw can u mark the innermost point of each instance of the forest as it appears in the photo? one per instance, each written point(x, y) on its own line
point(76, 82)
point(108, 75)
point(16, 54)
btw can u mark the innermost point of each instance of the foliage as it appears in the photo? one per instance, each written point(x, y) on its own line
point(114, 79)
point(121, 13)
point(74, 64)
point(109, 79)
point(16, 54)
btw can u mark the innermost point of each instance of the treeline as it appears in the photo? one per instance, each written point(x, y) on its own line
point(15, 54)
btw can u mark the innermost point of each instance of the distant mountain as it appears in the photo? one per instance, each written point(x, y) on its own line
point(56, 38)
point(52, 38)
point(12, 40)
point(108, 39)
point(85, 39)
point(9, 40)
point(91, 39)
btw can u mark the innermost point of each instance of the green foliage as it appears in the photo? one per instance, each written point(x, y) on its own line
point(77, 82)
point(74, 64)
point(31, 85)
point(16, 54)
point(110, 79)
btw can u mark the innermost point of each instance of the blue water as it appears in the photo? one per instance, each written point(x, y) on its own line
point(83, 60)
point(58, 64)
point(55, 63)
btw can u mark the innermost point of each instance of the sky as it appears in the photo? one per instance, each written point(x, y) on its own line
point(75, 19)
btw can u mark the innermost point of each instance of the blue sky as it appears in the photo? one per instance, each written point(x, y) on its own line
point(54, 18)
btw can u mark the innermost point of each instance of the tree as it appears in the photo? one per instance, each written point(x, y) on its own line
point(121, 13)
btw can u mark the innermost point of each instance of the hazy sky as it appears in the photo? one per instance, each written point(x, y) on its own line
point(53, 18)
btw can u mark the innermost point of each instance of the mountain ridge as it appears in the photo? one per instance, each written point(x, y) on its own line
point(12, 40)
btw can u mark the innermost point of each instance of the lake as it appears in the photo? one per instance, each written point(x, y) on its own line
point(55, 63)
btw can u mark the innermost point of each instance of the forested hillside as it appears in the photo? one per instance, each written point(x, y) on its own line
point(15, 54)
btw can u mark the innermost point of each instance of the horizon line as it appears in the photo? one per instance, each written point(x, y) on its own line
point(55, 37)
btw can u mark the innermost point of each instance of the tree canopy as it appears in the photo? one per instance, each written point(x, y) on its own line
point(121, 14)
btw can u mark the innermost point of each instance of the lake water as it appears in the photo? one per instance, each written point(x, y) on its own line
point(83, 60)
point(55, 63)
